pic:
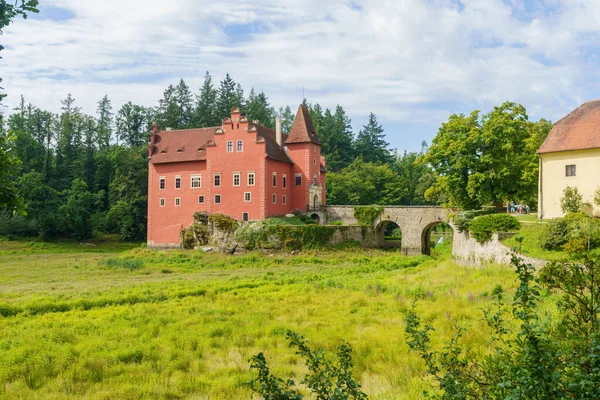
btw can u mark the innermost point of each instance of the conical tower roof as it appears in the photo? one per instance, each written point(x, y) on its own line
point(302, 130)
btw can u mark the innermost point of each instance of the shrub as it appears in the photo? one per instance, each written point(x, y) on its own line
point(336, 223)
point(366, 215)
point(483, 228)
point(572, 200)
point(462, 224)
point(554, 234)
point(325, 379)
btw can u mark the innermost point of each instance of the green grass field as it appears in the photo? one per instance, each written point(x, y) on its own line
point(107, 322)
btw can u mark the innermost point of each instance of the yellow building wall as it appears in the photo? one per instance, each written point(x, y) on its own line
point(553, 179)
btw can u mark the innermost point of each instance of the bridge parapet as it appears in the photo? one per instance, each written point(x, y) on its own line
point(415, 222)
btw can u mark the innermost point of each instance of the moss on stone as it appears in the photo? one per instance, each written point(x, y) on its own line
point(366, 215)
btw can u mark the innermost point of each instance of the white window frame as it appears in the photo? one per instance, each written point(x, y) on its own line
point(220, 199)
point(239, 146)
point(162, 202)
point(177, 201)
point(284, 181)
point(274, 179)
point(161, 180)
point(201, 196)
point(239, 179)
point(296, 180)
point(253, 174)
point(199, 178)
point(274, 198)
point(220, 180)
point(284, 199)
point(247, 197)
point(230, 146)
point(178, 179)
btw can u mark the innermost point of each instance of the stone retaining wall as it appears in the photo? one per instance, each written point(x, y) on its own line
point(467, 251)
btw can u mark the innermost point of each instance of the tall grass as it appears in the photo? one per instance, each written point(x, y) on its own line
point(76, 324)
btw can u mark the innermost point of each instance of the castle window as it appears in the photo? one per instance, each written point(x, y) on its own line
point(274, 179)
point(298, 179)
point(163, 183)
point(217, 180)
point(217, 199)
point(200, 199)
point(283, 199)
point(178, 182)
point(251, 178)
point(236, 179)
point(240, 145)
point(247, 197)
point(284, 181)
point(177, 201)
point(162, 202)
point(314, 148)
point(571, 170)
point(274, 199)
point(230, 146)
point(245, 217)
point(314, 161)
point(196, 181)
point(315, 180)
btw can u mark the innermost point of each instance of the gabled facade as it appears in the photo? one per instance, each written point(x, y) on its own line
point(570, 156)
point(241, 169)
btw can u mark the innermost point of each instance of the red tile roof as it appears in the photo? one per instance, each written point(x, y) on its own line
point(302, 130)
point(578, 130)
point(181, 145)
point(190, 145)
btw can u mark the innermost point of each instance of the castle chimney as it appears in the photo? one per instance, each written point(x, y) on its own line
point(278, 135)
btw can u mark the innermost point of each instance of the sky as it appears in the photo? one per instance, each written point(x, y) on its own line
point(410, 62)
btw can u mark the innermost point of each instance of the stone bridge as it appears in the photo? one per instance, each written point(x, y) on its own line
point(415, 222)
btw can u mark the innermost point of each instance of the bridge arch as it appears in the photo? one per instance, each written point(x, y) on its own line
point(389, 234)
point(435, 233)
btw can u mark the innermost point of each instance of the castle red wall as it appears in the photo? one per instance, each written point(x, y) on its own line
point(165, 223)
point(280, 169)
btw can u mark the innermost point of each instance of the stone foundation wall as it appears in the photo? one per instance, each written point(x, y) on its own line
point(467, 251)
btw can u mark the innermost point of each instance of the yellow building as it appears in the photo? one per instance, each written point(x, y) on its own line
point(570, 156)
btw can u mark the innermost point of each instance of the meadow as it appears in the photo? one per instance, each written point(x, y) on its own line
point(121, 321)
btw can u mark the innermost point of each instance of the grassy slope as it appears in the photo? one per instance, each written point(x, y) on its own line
point(187, 323)
point(531, 232)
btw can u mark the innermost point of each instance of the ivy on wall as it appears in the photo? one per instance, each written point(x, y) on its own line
point(366, 215)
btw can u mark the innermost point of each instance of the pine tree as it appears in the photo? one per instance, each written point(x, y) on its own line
point(184, 101)
point(370, 143)
point(287, 119)
point(260, 109)
point(104, 122)
point(132, 124)
point(205, 113)
point(336, 139)
point(168, 109)
point(239, 101)
point(226, 99)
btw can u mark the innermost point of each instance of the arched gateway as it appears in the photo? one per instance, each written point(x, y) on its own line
point(416, 223)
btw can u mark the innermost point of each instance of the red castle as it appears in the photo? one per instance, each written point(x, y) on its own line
point(241, 169)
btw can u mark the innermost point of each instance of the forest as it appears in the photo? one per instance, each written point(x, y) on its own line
point(79, 174)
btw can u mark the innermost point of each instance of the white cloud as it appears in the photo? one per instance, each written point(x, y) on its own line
point(409, 61)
